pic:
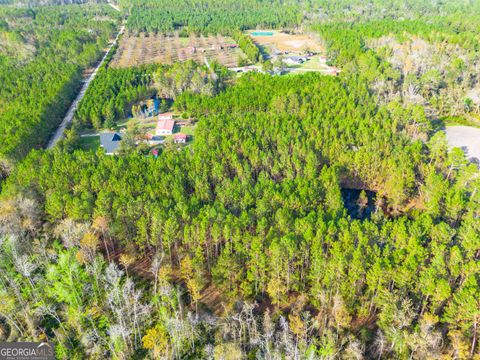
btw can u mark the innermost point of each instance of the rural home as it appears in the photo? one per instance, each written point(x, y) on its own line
point(165, 124)
point(294, 60)
point(110, 142)
point(180, 138)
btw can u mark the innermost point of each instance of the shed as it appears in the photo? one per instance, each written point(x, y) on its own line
point(294, 60)
point(180, 138)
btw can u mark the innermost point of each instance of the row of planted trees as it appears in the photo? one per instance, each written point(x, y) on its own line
point(210, 17)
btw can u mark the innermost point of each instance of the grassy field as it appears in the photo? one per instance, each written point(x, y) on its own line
point(187, 130)
point(167, 49)
point(314, 63)
point(89, 142)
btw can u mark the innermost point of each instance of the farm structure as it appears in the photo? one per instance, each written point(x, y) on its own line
point(298, 52)
point(168, 49)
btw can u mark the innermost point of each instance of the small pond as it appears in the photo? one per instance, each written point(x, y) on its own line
point(359, 206)
point(262, 33)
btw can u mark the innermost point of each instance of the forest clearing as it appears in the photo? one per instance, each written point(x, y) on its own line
point(276, 41)
point(145, 133)
point(168, 49)
point(276, 45)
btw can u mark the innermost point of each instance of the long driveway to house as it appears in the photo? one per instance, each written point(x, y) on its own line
point(71, 111)
point(467, 138)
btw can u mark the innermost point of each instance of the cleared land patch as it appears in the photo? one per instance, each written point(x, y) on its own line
point(280, 46)
point(467, 138)
point(275, 41)
point(168, 49)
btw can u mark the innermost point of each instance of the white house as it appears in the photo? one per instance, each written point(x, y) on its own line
point(294, 60)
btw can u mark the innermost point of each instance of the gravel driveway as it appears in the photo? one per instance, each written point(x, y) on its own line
point(73, 107)
point(467, 138)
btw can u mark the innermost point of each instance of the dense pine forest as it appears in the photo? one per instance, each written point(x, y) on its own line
point(43, 52)
point(218, 16)
point(242, 244)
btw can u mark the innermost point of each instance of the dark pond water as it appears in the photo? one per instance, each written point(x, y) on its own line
point(359, 206)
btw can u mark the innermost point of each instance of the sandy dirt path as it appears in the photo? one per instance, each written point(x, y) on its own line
point(73, 107)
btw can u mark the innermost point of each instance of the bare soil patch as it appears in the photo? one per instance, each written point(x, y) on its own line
point(283, 42)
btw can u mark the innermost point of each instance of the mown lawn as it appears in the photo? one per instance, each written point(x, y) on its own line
point(187, 130)
point(89, 143)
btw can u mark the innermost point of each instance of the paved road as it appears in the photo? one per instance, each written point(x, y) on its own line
point(467, 138)
point(68, 118)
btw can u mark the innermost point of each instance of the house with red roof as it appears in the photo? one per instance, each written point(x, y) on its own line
point(180, 138)
point(165, 124)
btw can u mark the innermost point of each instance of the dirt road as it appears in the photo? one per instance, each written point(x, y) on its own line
point(71, 111)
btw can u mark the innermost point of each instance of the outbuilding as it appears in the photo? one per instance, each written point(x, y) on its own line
point(294, 60)
point(180, 138)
